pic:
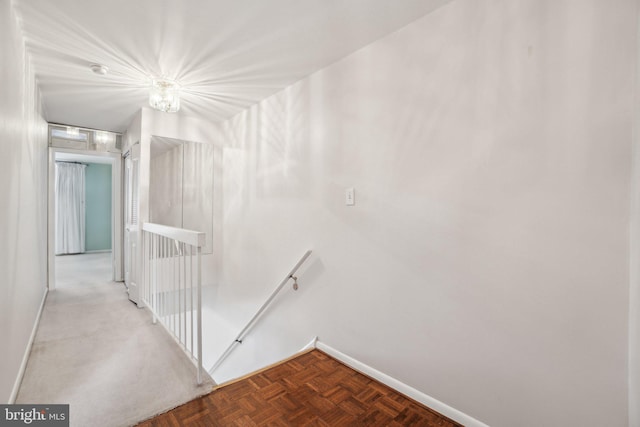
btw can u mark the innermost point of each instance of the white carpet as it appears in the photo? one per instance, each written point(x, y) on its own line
point(83, 270)
point(98, 352)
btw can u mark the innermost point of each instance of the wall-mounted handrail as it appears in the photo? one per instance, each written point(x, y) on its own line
point(243, 332)
point(170, 279)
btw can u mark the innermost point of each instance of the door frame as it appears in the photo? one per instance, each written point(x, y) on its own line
point(117, 231)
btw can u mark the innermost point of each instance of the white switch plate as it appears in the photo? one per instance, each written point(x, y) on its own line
point(350, 196)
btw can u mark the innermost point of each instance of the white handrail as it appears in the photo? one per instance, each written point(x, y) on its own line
point(170, 279)
point(190, 237)
point(241, 335)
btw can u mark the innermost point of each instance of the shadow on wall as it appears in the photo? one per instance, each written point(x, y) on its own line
point(283, 146)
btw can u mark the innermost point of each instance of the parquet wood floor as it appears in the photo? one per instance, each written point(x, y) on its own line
point(312, 389)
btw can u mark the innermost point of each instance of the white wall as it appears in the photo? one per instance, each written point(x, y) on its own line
point(149, 123)
point(486, 260)
point(634, 261)
point(23, 217)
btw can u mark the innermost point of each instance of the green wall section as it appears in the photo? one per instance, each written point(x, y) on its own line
point(97, 207)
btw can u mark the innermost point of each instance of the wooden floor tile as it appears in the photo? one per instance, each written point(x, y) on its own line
point(312, 389)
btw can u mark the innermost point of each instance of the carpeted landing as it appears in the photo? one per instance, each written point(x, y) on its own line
point(98, 352)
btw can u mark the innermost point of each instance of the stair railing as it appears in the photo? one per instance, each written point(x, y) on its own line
point(245, 330)
point(173, 284)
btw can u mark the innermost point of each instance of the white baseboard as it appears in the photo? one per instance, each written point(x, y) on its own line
point(27, 352)
point(98, 251)
point(403, 388)
point(310, 345)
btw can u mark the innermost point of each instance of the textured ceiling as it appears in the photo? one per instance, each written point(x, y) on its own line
point(227, 54)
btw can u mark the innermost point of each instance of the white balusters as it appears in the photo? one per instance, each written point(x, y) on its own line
point(170, 279)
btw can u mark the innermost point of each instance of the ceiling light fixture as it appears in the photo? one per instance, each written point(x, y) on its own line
point(99, 69)
point(164, 95)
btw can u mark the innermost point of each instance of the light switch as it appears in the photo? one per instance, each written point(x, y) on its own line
point(350, 196)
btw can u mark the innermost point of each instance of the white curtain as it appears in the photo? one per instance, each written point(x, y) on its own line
point(69, 208)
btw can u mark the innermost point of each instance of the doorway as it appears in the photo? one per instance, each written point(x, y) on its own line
point(85, 218)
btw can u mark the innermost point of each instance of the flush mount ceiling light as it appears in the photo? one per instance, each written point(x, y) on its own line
point(164, 95)
point(99, 69)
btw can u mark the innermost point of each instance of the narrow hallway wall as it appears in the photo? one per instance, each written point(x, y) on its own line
point(485, 261)
point(23, 217)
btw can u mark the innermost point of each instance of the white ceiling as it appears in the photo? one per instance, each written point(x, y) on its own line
point(227, 54)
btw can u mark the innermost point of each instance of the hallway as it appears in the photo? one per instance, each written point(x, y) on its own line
point(99, 353)
point(465, 172)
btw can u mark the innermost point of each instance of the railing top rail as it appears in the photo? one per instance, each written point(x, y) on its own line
point(191, 237)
